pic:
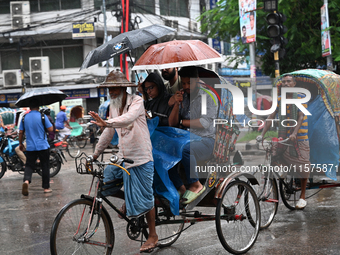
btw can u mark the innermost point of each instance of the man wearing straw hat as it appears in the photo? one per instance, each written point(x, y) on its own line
point(127, 118)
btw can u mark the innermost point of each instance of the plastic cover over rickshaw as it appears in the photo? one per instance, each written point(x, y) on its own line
point(323, 123)
point(8, 116)
point(168, 142)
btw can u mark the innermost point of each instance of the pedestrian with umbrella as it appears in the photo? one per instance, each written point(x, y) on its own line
point(34, 125)
point(37, 147)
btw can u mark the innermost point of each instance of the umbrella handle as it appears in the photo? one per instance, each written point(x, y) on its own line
point(133, 63)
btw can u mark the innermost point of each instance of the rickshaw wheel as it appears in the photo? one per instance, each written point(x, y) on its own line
point(72, 147)
point(237, 217)
point(167, 233)
point(82, 141)
point(290, 193)
point(268, 195)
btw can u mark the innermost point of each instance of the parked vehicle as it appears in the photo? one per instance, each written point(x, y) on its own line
point(10, 160)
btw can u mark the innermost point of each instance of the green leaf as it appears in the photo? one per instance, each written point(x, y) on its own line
point(304, 32)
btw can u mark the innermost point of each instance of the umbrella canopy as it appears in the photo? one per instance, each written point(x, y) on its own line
point(125, 42)
point(40, 96)
point(177, 54)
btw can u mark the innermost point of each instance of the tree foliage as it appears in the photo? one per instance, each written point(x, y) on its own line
point(304, 32)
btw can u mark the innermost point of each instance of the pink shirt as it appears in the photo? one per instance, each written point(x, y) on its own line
point(133, 132)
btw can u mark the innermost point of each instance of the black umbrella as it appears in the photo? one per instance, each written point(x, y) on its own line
point(125, 42)
point(40, 96)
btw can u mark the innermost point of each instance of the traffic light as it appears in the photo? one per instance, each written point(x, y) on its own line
point(270, 5)
point(276, 30)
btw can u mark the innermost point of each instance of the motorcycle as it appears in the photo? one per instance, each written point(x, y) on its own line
point(10, 160)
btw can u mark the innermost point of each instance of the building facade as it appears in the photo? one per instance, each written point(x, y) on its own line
point(41, 46)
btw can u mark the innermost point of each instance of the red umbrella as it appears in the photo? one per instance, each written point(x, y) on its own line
point(176, 54)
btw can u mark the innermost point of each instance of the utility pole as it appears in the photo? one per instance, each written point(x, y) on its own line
point(22, 69)
point(105, 33)
point(329, 57)
point(253, 75)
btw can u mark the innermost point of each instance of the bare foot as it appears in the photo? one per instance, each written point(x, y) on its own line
point(150, 244)
point(196, 187)
point(47, 190)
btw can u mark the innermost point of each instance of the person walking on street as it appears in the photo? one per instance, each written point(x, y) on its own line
point(36, 147)
point(63, 124)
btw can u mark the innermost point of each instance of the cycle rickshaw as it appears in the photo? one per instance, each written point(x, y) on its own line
point(81, 132)
point(323, 134)
point(84, 225)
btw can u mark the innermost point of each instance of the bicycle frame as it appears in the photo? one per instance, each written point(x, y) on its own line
point(194, 215)
point(289, 189)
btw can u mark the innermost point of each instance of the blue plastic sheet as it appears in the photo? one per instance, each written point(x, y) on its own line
point(323, 139)
point(167, 144)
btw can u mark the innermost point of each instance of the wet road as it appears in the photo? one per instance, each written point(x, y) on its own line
point(26, 221)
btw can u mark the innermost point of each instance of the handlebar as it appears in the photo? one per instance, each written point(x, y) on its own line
point(87, 165)
point(130, 161)
point(273, 140)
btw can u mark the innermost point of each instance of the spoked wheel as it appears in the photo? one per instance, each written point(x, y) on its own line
point(167, 231)
point(238, 218)
point(82, 141)
point(73, 148)
point(268, 196)
point(2, 169)
point(70, 233)
point(290, 191)
point(55, 165)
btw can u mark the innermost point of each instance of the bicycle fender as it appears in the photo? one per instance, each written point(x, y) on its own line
point(230, 178)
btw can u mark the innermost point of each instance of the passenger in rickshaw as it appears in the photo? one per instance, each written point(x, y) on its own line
point(156, 99)
point(173, 81)
point(187, 114)
point(297, 155)
point(127, 117)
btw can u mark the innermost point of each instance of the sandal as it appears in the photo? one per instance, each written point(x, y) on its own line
point(148, 247)
point(123, 211)
point(190, 196)
point(24, 189)
point(48, 191)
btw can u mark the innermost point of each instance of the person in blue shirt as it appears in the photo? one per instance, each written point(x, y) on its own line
point(62, 124)
point(2, 127)
point(36, 147)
